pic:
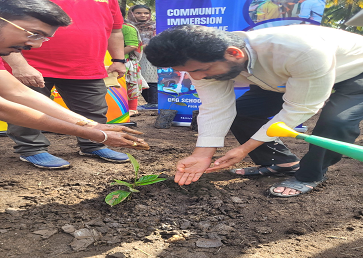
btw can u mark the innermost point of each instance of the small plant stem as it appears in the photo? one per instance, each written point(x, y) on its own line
point(135, 179)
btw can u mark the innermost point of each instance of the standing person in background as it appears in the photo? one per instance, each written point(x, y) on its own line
point(133, 52)
point(287, 7)
point(270, 9)
point(312, 9)
point(140, 17)
point(73, 61)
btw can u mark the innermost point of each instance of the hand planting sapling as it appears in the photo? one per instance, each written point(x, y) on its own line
point(118, 196)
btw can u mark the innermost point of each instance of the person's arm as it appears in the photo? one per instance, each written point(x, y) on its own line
point(116, 50)
point(129, 49)
point(15, 113)
point(312, 77)
point(217, 111)
point(190, 169)
point(235, 155)
point(130, 39)
point(24, 116)
point(25, 73)
point(216, 115)
point(305, 10)
point(13, 90)
point(17, 100)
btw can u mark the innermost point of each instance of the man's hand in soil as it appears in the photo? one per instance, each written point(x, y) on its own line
point(192, 168)
point(235, 155)
point(118, 136)
point(232, 157)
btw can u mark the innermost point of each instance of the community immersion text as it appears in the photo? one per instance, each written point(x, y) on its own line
point(196, 12)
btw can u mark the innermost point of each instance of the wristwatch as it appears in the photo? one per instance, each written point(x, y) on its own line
point(119, 60)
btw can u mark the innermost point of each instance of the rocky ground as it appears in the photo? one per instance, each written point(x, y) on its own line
point(62, 213)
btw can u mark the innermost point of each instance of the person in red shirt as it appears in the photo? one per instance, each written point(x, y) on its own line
point(73, 62)
point(26, 24)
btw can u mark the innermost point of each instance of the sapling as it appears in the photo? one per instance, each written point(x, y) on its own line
point(118, 196)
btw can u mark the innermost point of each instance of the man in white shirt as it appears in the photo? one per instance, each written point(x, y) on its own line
point(292, 71)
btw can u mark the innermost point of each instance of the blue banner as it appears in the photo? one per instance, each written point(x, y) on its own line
point(175, 88)
point(221, 14)
point(237, 15)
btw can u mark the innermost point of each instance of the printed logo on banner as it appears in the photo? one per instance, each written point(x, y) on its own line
point(176, 87)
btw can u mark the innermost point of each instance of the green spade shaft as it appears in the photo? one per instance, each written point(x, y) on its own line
point(347, 149)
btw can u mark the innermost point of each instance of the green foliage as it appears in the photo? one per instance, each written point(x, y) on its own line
point(118, 196)
point(338, 12)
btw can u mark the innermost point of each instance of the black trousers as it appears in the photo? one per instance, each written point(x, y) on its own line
point(85, 97)
point(339, 120)
point(151, 95)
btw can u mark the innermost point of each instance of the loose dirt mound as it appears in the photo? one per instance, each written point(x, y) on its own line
point(219, 216)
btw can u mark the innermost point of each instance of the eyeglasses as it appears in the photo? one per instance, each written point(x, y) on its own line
point(32, 36)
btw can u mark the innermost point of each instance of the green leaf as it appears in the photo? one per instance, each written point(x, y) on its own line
point(119, 182)
point(116, 197)
point(196, 95)
point(150, 179)
point(130, 186)
point(134, 162)
point(157, 180)
point(147, 178)
point(180, 104)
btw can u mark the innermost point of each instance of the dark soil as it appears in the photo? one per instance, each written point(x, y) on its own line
point(220, 216)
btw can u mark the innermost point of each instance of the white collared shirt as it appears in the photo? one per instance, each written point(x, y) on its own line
point(301, 61)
